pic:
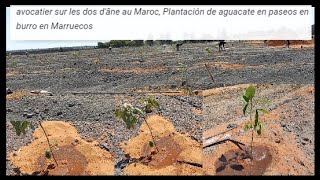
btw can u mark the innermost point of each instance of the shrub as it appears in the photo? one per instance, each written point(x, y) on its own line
point(102, 45)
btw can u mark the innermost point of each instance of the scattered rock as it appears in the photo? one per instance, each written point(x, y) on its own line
point(9, 110)
point(51, 166)
point(300, 162)
point(89, 140)
point(277, 141)
point(122, 163)
point(71, 104)
point(105, 146)
point(29, 115)
point(232, 126)
point(8, 91)
point(59, 113)
point(306, 139)
point(37, 111)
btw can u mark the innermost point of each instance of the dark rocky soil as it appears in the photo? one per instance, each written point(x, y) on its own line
point(93, 114)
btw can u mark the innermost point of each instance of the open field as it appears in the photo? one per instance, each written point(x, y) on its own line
point(84, 88)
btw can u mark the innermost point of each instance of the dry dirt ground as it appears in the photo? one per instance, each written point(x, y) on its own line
point(176, 152)
point(288, 133)
point(71, 155)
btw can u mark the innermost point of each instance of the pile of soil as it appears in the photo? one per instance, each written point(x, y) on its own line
point(178, 153)
point(74, 155)
point(281, 154)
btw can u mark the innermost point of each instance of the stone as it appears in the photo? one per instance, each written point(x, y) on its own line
point(232, 126)
point(37, 111)
point(105, 146)
point(29, 115)
point(71, 104)
point(8, 91)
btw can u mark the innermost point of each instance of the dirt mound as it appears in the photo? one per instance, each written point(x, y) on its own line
point(71, 165)
point(286, 157)
point(74, 155)
point(177, 155)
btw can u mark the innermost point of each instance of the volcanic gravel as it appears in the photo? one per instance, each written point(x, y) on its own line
point(93, 114)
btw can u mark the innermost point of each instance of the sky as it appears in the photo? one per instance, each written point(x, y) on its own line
point(23, 45)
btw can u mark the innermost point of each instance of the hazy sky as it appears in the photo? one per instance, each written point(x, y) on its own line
point(16, 45)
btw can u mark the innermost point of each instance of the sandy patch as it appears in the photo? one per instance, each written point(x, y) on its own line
point(74, 155)
point(174, 149)
point(18, 95)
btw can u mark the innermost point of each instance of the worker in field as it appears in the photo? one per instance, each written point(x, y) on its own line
point(178, 46)
point(221, 45)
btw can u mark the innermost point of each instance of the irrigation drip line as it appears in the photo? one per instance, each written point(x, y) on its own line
point(220, 133)
point(145, 92)
point(225, 140)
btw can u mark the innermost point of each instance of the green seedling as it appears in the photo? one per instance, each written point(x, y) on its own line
point(183, 70)
point(21, 127)
point(48, 154)
point(253, 125)
point(130, 114)
point(209, 51)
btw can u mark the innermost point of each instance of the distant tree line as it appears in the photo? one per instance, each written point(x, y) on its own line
point(138, 43)
point(49, 50)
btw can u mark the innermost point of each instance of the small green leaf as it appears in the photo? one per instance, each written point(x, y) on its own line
point(137, 111)
point(264, 101)
point(20, 127)
point(264, 111)
point(119, 114)
point(256, 119)
point(259, 129)
point(248, 127)
point(16, 125)
point(151, 144)
point(250, 92)
point(245, 98)
point(154, 103)
point(48, 154)
point(245, 109)
point(24, 127)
